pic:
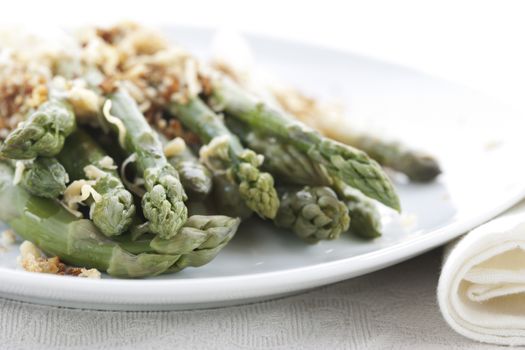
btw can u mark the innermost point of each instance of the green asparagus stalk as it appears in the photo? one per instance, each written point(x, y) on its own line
point(163, 203)
point(350, 165)
point(76, 241)
point(296, 168)
point(313, 213)
point(197, 243)
point(365, 217)
point(114, 210)
point(43, 177)
point(225, 153)
point(281, 158)
point(418, 166)
point(42, 134)
point(194, 176)
point(227, 199)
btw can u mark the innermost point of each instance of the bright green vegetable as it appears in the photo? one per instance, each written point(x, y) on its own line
point(44, 177)
point(163, 203)
point(79, 243)
point(42, 134)
point(350, 165)
point(281, 158)
point(76, 241)
point(227, 199)
point(312, 213)
point(294, 167)
point(365, 217)
point(113, 212)
point(197, 243)
point(224, 153)
point(418, 166)
point(194, 176)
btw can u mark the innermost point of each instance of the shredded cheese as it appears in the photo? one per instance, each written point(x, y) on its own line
point(93, 173)
point(77, 193)
point(174, 147)
point(107, 163)
point(115, 121)
point(19, 170)
point(215, 150)
point(132, 186)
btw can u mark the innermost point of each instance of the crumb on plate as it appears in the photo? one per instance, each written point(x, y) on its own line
point(8, 237)
point(33, 260)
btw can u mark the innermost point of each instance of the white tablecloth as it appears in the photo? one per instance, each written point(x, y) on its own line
point(390, 309)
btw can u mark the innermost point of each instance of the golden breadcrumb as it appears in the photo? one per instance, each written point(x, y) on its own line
point(8, 237)
point(33, 260)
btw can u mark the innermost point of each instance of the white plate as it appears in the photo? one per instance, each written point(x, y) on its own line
point(476, 140)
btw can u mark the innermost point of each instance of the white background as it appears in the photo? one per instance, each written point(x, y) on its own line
point(476, 43)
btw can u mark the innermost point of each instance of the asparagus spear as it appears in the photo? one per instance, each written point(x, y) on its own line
point(76, 241)
point(114, 210)
point(365, 218)
point(313, 213)
point(163, 203)
point(225, 153)
point(194, 176)
point(197, 243)
point(227, 199)
point(43, 177)
point(297, 168)
point(350, 165)
point(418, 166)
point(42, 134)
point(281, 158)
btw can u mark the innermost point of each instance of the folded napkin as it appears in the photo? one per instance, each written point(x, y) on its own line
point(481, 289)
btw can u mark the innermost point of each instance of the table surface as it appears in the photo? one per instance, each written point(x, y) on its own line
point(394, 308)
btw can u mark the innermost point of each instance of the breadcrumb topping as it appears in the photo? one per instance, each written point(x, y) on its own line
point(33, 260)
point(22, 88)
point(91, 273)
point(8, 237)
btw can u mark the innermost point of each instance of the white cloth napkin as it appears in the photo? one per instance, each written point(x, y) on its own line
point(481, 289)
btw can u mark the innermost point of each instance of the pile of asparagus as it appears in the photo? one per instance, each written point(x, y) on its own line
point(118, 192)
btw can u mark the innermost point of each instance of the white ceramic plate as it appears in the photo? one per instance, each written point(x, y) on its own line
point(477, 142)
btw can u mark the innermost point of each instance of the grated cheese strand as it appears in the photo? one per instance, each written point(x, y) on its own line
point(77, 193)
point(115, 121)
point(132, 186)
point(19, 170)
point(93, 173)
point(107, 163)
point(217, 148)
